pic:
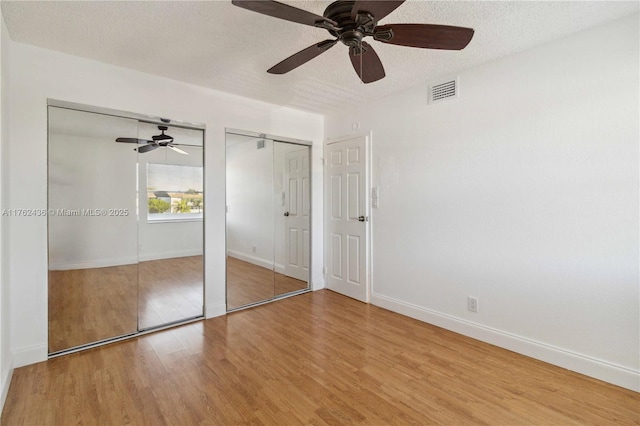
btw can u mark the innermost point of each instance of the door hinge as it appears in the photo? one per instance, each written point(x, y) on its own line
point(324, 161)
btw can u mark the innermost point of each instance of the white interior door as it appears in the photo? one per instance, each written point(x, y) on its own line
point(347, 235)
point(296, 221)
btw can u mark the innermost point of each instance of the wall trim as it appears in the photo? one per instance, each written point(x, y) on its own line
point(170, 254)
point(602, 370)
point(30, 355)
point(105, 263)
point(89, 264)
point(265, 263)
point(215, 310)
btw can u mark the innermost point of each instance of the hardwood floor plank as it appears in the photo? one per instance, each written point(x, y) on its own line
point(317, 358)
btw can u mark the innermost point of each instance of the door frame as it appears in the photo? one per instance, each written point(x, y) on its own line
point(368, 224)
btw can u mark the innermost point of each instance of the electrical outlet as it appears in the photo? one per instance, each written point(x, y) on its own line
point(253, 248)
point(472, 304)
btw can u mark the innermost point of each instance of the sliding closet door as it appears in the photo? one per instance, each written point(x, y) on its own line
point(92, 226)
point(268, 219)
point(171, 210)
point(250, 220)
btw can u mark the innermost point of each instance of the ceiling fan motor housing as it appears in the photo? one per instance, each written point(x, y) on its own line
point(349, 22)
point(352, 31)
point(162, 137)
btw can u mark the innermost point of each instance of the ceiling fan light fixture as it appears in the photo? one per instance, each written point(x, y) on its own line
point(350, 21)
point(156, 142)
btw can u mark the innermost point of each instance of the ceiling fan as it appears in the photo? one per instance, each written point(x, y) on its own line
point(350, 22)
point(155, 142)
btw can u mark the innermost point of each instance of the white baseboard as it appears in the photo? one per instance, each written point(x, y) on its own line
point(602, 370)
point(6, 382)
point(131, 260)
point(265, 263)
point(170, 254)
point(90, 264)
point(29, 355)
point(212, 311)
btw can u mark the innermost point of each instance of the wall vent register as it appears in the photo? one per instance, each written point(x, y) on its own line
point(443, 90)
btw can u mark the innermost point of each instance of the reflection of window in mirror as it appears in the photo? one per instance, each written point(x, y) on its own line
point(174, 192)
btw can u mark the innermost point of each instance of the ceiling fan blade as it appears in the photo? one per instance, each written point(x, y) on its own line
point(286, 12)
point(378, 8)
point(372, 69)
point(146, 148)
point(132, 140)
point(178, 150)
point(424, 35)
point(302, 57)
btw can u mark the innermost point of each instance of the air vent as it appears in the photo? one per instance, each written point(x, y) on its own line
point(443, 90)
point(260, 144)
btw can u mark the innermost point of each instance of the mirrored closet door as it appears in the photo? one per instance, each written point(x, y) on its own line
point(268, 218)
point(125, 227)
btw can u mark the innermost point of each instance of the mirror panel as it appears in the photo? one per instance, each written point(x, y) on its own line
point(92, 226)
point(250, 220)
point(268, 219)
point(171, 232)
point(125, 228)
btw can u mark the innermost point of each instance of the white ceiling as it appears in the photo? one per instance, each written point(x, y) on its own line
point(215, 44)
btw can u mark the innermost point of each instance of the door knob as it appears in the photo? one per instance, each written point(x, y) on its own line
point(361, 219)
point(286, 213)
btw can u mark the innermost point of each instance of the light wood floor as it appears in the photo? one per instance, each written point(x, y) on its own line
point(88, 305)
point(248, 283)
point(317, 358)
point(170, 290)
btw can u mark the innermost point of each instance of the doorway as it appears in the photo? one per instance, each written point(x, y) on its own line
point(347, 235)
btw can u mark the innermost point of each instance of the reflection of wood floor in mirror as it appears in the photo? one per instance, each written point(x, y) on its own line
point(248, 283)
point(170, 290)
point(88, 305)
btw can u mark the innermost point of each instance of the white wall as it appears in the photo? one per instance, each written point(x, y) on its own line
point(523, 192)
point(6, 360)
point(37, 74)
point(90, 171)
point(251, 219)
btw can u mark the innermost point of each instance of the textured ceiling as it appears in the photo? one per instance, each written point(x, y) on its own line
point(215, 44)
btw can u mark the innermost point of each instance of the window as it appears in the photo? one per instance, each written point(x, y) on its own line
point(174, 192)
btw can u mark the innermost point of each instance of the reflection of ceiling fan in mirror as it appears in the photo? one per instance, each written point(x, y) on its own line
point(350, 21)
point(155, 142)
